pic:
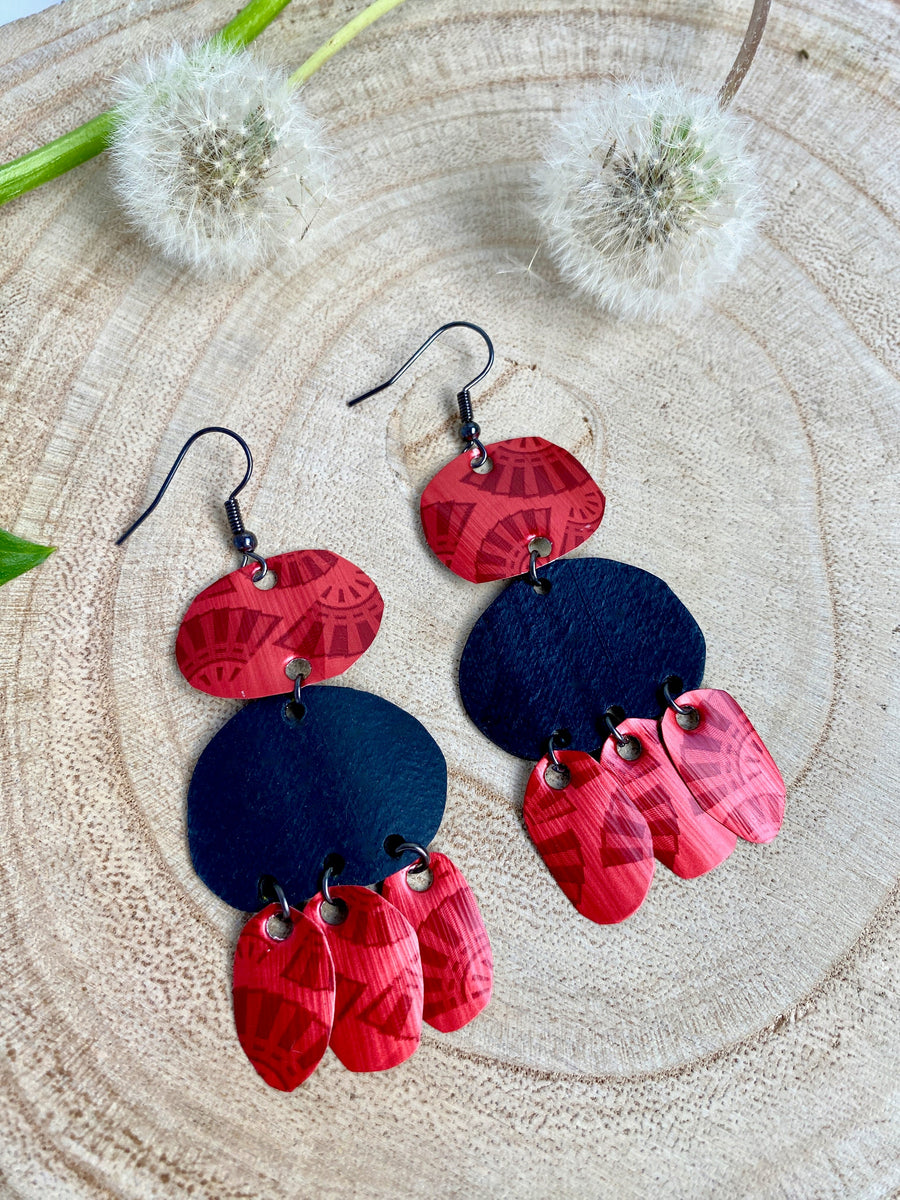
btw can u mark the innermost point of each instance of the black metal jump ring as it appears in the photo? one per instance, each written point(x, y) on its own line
point(476, 464)
point(327, 876)
point(414, 848)
point(268, 884)
point(621, 738)
point(533, 578)
point(683, 710)
point(551, 751)
point(257, 576)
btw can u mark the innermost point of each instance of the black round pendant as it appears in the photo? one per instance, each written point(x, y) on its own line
point(605, 633)
point(275, 795)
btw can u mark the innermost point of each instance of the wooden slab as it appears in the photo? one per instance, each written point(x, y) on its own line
point(737, 1036)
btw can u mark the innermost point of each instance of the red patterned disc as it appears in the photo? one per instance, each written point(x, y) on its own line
point(378, 981)
point(480, 525)
point(723, 761)
point(457, 962)
point(594, 841)
point(685, 839)
point(283, 998)
point(236, 639)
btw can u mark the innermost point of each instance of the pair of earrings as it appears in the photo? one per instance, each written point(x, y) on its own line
point(308, 785)
point(593, 668)
point(590, 667)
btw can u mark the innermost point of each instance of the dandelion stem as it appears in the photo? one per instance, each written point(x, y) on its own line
point(338, 40)
point(37, 166)
point(250, 22)
point(61, 155)
point(747, 52)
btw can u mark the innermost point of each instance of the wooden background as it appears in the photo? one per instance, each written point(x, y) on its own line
point(738, 1036)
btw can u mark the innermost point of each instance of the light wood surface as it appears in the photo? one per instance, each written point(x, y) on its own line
point(738, 1035)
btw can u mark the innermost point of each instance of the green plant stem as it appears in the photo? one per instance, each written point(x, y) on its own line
point(38, 166)
point(66, 152)
point(250, 22)
point(338, 40)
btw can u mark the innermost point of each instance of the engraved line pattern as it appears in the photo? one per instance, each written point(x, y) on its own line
point(594, 841)
point(724, 763)
point(480, 525)
point(457, 962)
point(378, 981)
point(685, 839)
point(283, 998)
point(236, 639)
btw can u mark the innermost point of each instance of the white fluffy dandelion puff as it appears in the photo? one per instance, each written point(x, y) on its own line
point(647, 198)
point(216, 160)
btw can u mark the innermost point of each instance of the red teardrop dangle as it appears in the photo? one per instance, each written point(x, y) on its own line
point(685, 839)
point(457, 962)
point(378, 980)
point(594, 841)
point(237, 639)
point(724, 763)
point(283, 997)
point(481, 524)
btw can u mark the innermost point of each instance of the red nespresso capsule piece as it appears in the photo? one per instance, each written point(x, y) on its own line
point(457, 962)
point(723, 761)
point(685, 839)
point(236, 639)
point(594, 841)
point(480, 525)
point(283, 998)
point(378, 980)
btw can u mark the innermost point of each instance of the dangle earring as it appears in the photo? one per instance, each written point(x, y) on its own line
point(306, 786)
point(593, 668)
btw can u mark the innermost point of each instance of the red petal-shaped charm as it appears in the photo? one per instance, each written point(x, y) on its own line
point(685, 839)
point(283, 998)
point(723, 761)
point(378, 981)
point(593, 839)
point(457, 962)
point(236, 639)
point(480, 525)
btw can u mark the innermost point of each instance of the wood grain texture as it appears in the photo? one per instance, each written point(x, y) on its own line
point(738, 1035)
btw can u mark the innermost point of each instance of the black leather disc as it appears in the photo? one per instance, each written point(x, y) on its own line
point(272, 795)
point(605, 633)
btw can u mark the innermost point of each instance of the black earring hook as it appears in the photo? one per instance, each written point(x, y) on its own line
point(469, 430)
point(242, 539)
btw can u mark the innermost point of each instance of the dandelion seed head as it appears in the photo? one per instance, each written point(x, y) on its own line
point(216, 160)
point(647, 198)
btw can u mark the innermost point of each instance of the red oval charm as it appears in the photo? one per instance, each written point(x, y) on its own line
point(595, 843)
point(685, 839)
point(725, 765)
point(378, 981)
point(283, 998)
point(236, 639)
point(457, 962)
point(480, 525)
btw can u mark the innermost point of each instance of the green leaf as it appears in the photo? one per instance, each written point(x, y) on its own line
point(18, 556)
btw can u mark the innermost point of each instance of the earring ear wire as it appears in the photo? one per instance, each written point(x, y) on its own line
point(469, 429)
point(242, 539)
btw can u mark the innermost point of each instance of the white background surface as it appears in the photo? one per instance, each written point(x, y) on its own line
point(11, 10)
